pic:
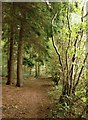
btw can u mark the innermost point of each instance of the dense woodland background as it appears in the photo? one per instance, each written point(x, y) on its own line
point(48, 40)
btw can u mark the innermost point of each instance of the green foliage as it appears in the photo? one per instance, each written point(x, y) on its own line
point(69, 44)
point(38, 51)
point(56, 92)
point(28, 62)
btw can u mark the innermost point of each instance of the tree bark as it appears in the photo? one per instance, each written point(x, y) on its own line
point(11, 53)
point(19, 57)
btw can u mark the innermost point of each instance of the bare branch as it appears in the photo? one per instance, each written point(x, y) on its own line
point(54, 17)
point(80, 71)
point(55, 47)
point(75, 45)
point(56, 51)
point(85, 15)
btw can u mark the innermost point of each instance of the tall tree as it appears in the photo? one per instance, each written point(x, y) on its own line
point(33, 35)
point(20, 46)
point(11, 49)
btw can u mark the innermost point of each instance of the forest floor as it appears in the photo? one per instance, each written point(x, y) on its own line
point(30, 101)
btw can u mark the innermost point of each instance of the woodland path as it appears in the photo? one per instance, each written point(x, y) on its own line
point(30, 101)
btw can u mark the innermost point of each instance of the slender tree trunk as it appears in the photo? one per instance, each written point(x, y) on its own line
point(64, 89)
point(87, 87)
point(87, 62)
point(19, 57)
point(30, 71)
point(36, 70)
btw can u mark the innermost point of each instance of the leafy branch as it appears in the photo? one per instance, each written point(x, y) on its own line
point(75, 46)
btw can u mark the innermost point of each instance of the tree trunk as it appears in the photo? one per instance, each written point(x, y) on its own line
point(46, 69)
point(19, 57)
point(36, 70)
point(87, 62)
point(87, 87)
point(11, 58)
point(30, 71)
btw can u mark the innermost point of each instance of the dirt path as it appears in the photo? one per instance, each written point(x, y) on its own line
point(30, 101)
